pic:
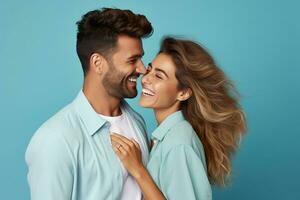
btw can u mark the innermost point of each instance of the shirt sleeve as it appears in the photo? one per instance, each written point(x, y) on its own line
point(50, 171)
point(183, 175)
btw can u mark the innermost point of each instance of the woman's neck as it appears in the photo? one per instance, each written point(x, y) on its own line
point(162, 114)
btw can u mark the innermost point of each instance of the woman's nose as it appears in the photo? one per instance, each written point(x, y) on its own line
point(146, 79)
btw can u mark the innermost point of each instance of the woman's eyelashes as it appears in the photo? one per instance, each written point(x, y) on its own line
point(156, 74)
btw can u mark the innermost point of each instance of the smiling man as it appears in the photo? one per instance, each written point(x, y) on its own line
point(70, 156)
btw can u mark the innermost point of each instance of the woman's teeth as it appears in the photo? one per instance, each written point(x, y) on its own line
point(147, 92)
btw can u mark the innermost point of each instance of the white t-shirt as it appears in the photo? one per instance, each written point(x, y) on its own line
point(123, 126)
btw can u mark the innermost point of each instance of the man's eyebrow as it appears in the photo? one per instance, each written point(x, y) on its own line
point(136, 56)
point(158, 69)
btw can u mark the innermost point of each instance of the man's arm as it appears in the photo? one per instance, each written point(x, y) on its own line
point(50, 167)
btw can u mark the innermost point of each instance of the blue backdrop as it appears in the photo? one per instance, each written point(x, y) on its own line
point(256, 42)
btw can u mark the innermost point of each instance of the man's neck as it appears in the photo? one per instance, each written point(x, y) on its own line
point(101, 101)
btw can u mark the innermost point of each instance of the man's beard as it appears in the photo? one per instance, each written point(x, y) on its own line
point(116, 83)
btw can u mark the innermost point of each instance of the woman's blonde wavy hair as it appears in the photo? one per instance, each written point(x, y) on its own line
point(213, 109)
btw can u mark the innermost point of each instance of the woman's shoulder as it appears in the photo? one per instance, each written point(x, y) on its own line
point(182, 134)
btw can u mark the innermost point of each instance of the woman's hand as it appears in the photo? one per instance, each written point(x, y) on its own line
point(129, 153)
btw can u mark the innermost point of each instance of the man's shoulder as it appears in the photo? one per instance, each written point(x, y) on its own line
point(55, 140)
point(62, 126)
point(62, 120)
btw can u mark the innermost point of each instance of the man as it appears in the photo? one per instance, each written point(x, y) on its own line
point(70, 156)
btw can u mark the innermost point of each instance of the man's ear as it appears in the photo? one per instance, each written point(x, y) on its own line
point(184, 94)
point(96, 63)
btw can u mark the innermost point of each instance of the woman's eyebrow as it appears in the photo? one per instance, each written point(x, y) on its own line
point(160, 70)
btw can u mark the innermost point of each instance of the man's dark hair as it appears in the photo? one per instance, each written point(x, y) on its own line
point(98, 31)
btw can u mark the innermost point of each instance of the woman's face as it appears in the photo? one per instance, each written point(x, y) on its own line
point(160, 84)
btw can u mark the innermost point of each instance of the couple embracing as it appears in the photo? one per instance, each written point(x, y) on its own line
point(97, 147)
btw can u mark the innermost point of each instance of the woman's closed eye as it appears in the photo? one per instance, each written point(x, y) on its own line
point(159, 76)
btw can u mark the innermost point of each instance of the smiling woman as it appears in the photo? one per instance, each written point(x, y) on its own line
point(160, 86)
point(200, 125)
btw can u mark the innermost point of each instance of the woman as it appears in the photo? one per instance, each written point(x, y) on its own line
point(199, 128)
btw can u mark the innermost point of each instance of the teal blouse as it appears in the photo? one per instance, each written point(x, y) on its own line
point(177, 161)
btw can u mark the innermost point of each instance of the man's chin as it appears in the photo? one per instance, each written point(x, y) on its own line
point(130, 94)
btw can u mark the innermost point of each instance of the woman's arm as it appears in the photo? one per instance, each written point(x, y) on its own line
point(129, 153)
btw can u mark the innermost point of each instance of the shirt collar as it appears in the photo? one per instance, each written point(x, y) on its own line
point(161, 131)
point(92, 121)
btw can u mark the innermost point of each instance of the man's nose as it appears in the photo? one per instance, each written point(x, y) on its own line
point(140, 68)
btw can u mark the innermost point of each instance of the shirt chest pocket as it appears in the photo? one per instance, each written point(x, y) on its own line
point(99, 167)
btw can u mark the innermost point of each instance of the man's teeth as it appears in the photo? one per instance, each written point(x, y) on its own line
point(147, 92)
point(132, 79)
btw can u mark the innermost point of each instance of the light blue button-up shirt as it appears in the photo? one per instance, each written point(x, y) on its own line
point(177, 161)
point(70, 156)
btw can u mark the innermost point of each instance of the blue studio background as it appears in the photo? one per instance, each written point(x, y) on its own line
point(256, 42)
